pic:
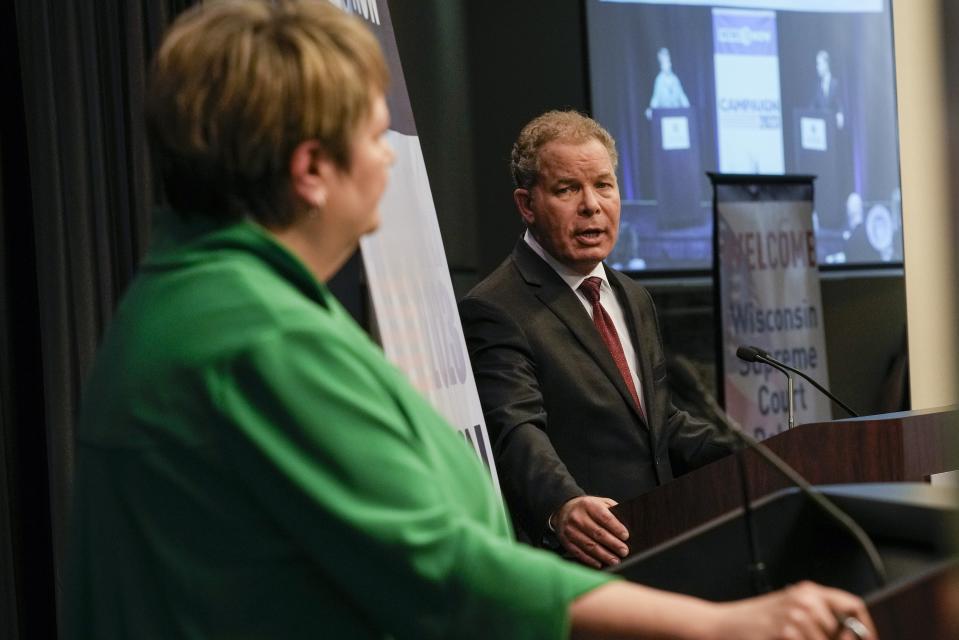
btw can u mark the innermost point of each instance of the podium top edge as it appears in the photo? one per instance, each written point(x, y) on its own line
point(758, 178)
point(902, 414)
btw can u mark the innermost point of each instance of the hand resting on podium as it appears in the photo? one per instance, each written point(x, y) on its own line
point(589, 532)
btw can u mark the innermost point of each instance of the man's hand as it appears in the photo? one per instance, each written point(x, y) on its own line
point(590, 532)
point(805, 610)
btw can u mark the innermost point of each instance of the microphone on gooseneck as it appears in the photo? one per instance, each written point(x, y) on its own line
point(680, 371)
point(755, 354)
point(690, 386)
point(751, 354)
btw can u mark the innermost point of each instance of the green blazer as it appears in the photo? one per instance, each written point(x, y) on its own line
point(250, 466)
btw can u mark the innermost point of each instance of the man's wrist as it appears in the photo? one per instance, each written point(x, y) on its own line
point(553, 520)
point(550, 538)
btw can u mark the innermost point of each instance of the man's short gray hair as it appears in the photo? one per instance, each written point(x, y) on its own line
point(568, 126)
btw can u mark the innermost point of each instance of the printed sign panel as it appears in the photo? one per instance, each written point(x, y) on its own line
point(406, 269)
point(770, 298)
point(748, 107)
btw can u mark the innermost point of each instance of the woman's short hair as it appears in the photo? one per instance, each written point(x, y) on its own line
point(567, 126)
point(237, 85)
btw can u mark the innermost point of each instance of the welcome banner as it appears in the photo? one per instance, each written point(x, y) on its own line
point(767, 277)
point(406, 267)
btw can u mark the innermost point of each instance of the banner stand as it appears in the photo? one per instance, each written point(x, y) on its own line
point(414, 308)
point(767, 295)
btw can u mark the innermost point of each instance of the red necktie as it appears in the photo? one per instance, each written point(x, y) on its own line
point(604, 324)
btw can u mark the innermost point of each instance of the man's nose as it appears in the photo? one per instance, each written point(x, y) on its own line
point(589, 205)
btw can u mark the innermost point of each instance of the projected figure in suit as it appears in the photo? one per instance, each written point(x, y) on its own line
point(667, 89)
point(857, 246)
point(834, 167)
point(567, 353)
point(827, 95)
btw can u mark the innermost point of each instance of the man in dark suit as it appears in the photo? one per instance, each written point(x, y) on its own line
point(827, 96)
point(567, 353)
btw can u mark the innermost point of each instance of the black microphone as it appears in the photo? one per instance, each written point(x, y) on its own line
point(681, 370)
point(755, 354)
point(751, 354)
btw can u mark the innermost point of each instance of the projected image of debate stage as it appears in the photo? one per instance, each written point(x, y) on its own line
point(753, 87)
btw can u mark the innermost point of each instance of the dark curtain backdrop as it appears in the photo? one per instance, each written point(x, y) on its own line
point(76, 193)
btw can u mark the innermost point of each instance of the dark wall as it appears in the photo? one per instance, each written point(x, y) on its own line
point(865, 319)
point(476, 73)
point(524, 59)
point(950, 11)
point(430, 36)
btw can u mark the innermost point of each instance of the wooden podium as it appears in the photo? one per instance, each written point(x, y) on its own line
point(908, 522)
point(689, 535)
point(895, 447)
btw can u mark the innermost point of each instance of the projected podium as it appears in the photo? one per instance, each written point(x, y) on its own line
point(818, 152)
point(679, 176)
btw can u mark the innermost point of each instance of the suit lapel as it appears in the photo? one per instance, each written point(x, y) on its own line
point(633, 317)
point(553, 292)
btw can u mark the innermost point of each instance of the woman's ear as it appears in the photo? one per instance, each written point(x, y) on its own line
point(310, 171)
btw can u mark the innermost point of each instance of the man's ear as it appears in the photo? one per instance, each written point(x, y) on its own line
point(310, 172)
point(524, 204)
